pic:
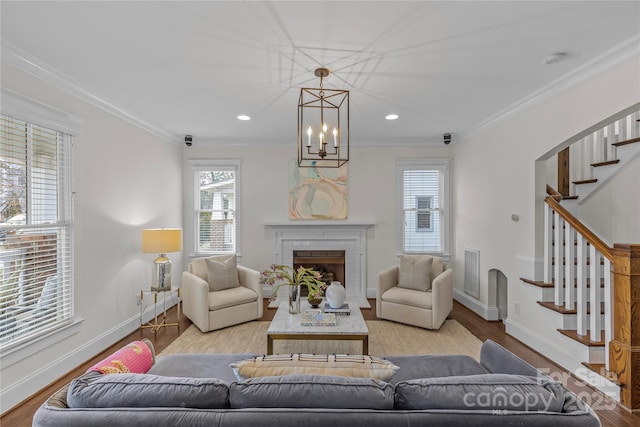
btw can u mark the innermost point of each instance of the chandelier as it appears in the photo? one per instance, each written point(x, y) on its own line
point(323, 126)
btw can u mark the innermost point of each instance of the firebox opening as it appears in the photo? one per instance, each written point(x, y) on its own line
point(331, 264)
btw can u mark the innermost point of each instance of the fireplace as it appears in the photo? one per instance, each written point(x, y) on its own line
point(329, 263)
point(329, 237)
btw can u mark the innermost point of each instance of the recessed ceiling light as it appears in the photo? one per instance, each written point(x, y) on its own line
point(555, 58)
point(244, 117)
point(391, 116)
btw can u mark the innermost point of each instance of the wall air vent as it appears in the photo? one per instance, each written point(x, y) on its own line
point(472, 272)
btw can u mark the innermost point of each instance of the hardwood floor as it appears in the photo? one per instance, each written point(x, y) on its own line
point(611, 414)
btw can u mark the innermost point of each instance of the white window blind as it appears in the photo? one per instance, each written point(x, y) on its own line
point(36, 295)
point(423, 190)
point(216, 210)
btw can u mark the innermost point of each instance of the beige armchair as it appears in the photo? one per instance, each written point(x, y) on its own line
point(217, 293)
point(418, 291)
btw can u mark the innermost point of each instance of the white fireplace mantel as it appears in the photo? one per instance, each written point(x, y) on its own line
point(348, 236)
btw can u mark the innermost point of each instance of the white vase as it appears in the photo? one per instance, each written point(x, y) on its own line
point(335, 294)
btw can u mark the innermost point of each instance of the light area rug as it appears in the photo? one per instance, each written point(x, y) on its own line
point(385, 339)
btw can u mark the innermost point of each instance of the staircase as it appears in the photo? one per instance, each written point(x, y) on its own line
point(576, 293)
point(599, 156)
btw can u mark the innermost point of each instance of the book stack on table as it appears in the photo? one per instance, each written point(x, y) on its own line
point(317, 318)
point(344, 310)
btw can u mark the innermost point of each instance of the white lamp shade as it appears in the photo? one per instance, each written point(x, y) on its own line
point(161, 240)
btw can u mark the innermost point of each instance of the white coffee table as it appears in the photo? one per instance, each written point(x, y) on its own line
point(285, 326)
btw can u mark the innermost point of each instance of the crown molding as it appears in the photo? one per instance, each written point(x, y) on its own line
point(283, 142)
point(16, 57)
point(624, 51)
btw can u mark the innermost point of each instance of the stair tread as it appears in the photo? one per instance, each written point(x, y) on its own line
point(538, 283)
point(573, 334)
point(586, 181)
point(607, 163)
point(600, 369)
point(626, 142)
point(563, 310)
point(557, 308)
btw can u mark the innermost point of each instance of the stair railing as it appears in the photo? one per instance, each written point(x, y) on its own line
point(599, 147)
point(573, 254)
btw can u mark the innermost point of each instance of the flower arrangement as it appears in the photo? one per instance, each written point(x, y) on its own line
point(283, 275)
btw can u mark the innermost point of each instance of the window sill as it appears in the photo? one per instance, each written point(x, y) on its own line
point(24, 350)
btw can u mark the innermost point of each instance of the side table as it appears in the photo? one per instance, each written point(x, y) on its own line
point(159, 319)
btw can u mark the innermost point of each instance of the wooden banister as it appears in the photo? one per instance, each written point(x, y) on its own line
point(593, 240)
point(553, 193)
point(624, 349)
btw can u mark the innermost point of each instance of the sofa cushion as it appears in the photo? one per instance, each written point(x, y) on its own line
point(311, 391)
point(481, 392)
point(135, 357)
point(434, 365)
point(315, 364)
point(231, 297)
point(415, 272)
point(398, 295)
point(144, 390)
point(59, 398)
point(222, 272)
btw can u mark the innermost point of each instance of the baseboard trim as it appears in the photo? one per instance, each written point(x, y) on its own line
point(14, 394)
point(482, 310)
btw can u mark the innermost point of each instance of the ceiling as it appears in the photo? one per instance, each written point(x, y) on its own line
point(192, 67)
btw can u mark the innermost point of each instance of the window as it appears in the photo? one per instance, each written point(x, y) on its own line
point(423, 187)
point(36, 294)
point(216, 207)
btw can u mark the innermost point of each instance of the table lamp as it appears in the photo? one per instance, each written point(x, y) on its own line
point(161, 241)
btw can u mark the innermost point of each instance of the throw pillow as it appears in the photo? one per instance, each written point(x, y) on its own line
point(222, 273)
point(311, 391)
point(343, 365)
point(415, 272)
point(481, 392)
point(136, 357)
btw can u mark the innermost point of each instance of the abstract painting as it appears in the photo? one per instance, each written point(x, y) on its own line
point(317, 193)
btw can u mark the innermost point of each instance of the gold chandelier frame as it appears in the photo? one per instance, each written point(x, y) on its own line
point(319, 110)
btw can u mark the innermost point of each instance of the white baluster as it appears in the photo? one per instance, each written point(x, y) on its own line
point(569, 268)
point(548, 236)
point(635, 124)
point(599, 147)
point(587, 156)
point(623, 133)
point(558, 295)
point(595, 321)
point(611, 139)
point(581, 277)
point(595, 151)
point(608, 310)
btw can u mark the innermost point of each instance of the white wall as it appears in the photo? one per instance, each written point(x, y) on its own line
point(125, 180)
point(621, 198)
point(495, 176)
point(372, 195)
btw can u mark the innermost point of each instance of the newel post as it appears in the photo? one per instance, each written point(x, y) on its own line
point(624, 348)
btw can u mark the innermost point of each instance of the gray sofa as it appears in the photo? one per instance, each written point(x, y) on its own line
point(432, 390)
